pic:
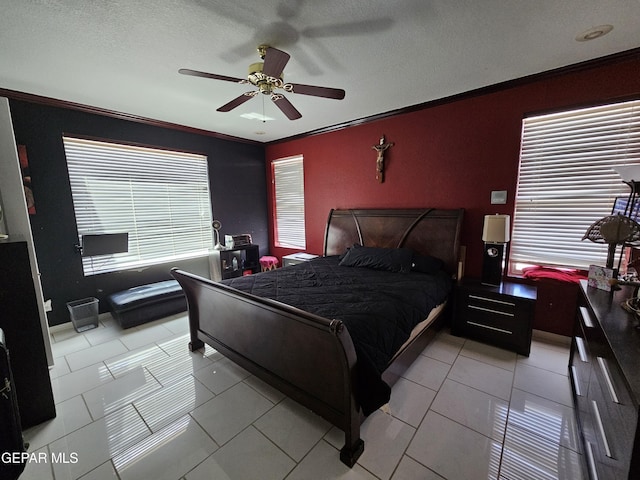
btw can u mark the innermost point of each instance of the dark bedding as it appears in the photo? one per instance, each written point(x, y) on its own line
point(379, 309)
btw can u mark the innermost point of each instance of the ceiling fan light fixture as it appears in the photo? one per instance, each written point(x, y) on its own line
point(265, 83)
point(594, 32)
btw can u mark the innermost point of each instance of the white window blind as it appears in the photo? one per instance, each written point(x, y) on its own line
point(567, 181)
point(288, 175)
point(160, 197)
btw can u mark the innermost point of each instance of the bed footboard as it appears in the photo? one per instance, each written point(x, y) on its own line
point(307, 357)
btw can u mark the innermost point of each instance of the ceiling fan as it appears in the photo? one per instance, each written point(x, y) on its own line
point(267, 77)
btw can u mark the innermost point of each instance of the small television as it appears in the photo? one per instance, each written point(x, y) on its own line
point(104, 244)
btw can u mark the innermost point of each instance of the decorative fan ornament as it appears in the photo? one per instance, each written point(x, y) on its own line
point(267, 76)
point(613, 230)
point(216, 230)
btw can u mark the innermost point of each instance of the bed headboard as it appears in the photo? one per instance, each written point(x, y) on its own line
point(427, 231)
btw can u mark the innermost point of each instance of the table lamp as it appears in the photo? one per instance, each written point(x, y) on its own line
point(495, 236)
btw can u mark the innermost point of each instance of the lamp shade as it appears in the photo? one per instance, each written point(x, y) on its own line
point(496, 229)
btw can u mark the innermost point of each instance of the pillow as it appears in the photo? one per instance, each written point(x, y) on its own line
point(377, 258)
point(426, 264)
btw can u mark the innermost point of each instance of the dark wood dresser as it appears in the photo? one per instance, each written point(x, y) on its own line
point(605, 373)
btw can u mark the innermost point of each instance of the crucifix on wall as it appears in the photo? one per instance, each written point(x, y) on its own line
point(381, 148)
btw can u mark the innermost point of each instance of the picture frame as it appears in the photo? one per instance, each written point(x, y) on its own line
point(600, 277)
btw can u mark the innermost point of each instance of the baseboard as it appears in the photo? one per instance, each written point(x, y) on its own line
point(551, 337)
point(68, 325)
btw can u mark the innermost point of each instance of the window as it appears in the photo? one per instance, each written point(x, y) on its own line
point(288, 179)
point(160, 197)
point(567, 181)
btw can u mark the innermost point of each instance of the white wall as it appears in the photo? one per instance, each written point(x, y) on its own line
point(16, 217)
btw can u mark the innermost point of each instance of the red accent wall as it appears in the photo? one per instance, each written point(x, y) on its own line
point(450, 155)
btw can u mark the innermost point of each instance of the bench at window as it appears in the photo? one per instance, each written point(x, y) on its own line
point(142, 304)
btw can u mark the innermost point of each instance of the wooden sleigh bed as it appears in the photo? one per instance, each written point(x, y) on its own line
point(312, 358)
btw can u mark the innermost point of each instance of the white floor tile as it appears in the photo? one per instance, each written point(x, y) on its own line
point(553, 421)
point(39, 467)
point(96, 443)
point(122, 391)
point(132, 360)
point(178, 363)
point(273, 395)
point(221, 375)
point(444, 347)
point(60, 367)
point(410, 401)
point(323, 463)
point(548, 357)
point(386, 439)
point(409, 469)
point(249, 456)
point(498, 357)
point(454, 451)
point(428, 372)
point(472, 408)
point(530, 457)
point(80, 381)
point(71, 415)
point(96, 354)
point(482, 376)
point(166, 455)
point(178, 324)
point(292, 427)
point(172, 402)
point(227, 414)
point(102, 334)
point(546, 384)
point(106, 471)
point(62, 332)
point(144, 335)
point(74, 343)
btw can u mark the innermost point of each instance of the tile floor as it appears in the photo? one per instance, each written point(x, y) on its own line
point(136, 404)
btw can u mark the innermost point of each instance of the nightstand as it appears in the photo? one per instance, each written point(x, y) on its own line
point(501, 315)
point(296, 258)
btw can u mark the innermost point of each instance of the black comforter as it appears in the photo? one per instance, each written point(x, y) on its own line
point(379, 309)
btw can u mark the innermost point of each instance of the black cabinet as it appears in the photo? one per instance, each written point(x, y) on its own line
point(501, 315)
point(20, 321)
point(605, 356)
point(234, 262)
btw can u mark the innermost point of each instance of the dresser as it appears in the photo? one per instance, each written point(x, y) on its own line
point(605, 371)
point(501, 315)
point(20, 321)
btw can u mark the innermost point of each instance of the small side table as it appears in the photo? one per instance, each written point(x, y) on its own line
point(296, 258)
point(501, 315)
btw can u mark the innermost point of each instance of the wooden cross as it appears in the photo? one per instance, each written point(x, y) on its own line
point(380, 148)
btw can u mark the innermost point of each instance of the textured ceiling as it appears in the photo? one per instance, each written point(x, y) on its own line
point(124, 56)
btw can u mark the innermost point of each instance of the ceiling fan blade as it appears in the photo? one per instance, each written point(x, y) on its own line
point(236, 102)
point(214, 76)
point(274, 62)
point(325, 92)
point(285, 105)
